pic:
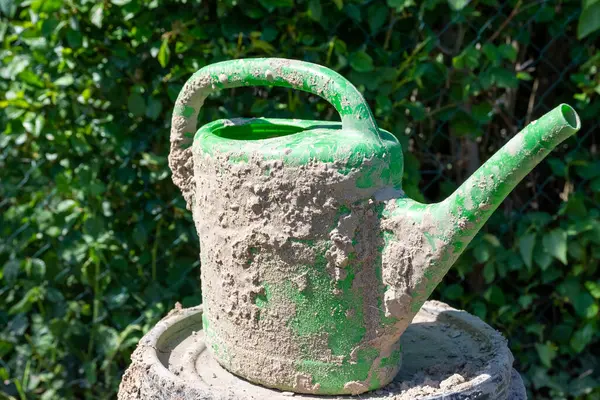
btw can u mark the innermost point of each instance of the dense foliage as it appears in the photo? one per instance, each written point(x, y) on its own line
point(95, 241)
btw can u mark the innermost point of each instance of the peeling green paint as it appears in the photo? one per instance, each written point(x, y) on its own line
point(319, 310)
point(393, 359)
point(332, 378)
point(431, 240)
point(262, 299)
point(184, 111)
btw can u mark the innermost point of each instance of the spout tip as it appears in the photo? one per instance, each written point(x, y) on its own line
point(570, 116)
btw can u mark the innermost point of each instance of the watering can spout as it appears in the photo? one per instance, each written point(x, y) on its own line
point(423, 241)
point(477, 198)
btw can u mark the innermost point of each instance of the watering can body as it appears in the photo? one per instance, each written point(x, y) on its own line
point(313, 260)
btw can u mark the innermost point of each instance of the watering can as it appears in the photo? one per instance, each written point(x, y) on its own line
point(314, 262)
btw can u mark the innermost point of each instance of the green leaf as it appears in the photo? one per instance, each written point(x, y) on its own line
point(31, 78)
point(53, 231)
point(140, 235)
point(136, 104)
point(416, 110)
point(550, 273)
point(546, 352)
point(400, 5)
point(545, 14)
point(454, 291)
point(65, 205)
point(10, 271)
point(361, 62)
point(90, 371)
point(315, 10)
point(482, 112)
point(462, 124)
point(469, 58)
point(164, 54)
point(353, 12)
point(154, 108)
point(32, 296)
point(384, 104)
point(594, 288)
point(108, 340)
point(526, 245)
point(376, 16)
point(8, 7)
point(508, 51)
point(580, 339)
point(458, 5)
point(584, 305)
point(481, 253)
point(561, 333)
point(491, 52)
point(97, 14)
point(489, 272)
point(555, 244)
point(558, 166)
point(525, 301)
point(74, 39)
point(47, 6)
point(15, 67)
point(536, 329)
point(479, 309)
point(35, 268)
point(495, 296)
point(63, 81)
point(339, 4)
point(273, 4)
point(589, 20)
point(504, 78)
point(524, 76)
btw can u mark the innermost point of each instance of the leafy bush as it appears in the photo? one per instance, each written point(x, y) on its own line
point(96, 242)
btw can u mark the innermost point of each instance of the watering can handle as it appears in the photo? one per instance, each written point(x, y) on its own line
point(316, 79)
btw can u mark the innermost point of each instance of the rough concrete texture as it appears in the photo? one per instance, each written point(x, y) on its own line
point(452, 355)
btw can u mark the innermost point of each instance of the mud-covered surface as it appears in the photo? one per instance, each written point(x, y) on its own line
point(448, 354)
point(282, 280)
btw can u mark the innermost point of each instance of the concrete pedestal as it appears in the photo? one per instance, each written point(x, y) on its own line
point(447, 354)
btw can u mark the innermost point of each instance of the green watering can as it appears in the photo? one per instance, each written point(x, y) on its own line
point(314, 262)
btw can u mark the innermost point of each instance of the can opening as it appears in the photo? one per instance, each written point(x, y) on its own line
point(242, 130)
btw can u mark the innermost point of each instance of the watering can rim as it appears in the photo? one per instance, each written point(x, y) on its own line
point(303, 125)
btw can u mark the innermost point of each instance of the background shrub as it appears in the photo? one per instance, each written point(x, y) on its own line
point(95, 241)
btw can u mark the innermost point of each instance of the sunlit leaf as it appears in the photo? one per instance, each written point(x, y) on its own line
point(164, 54)
point(589, 20)
point(458, 5)
point(339, 4)
point(97, 14)
point(8, 7)
point(555, 243)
